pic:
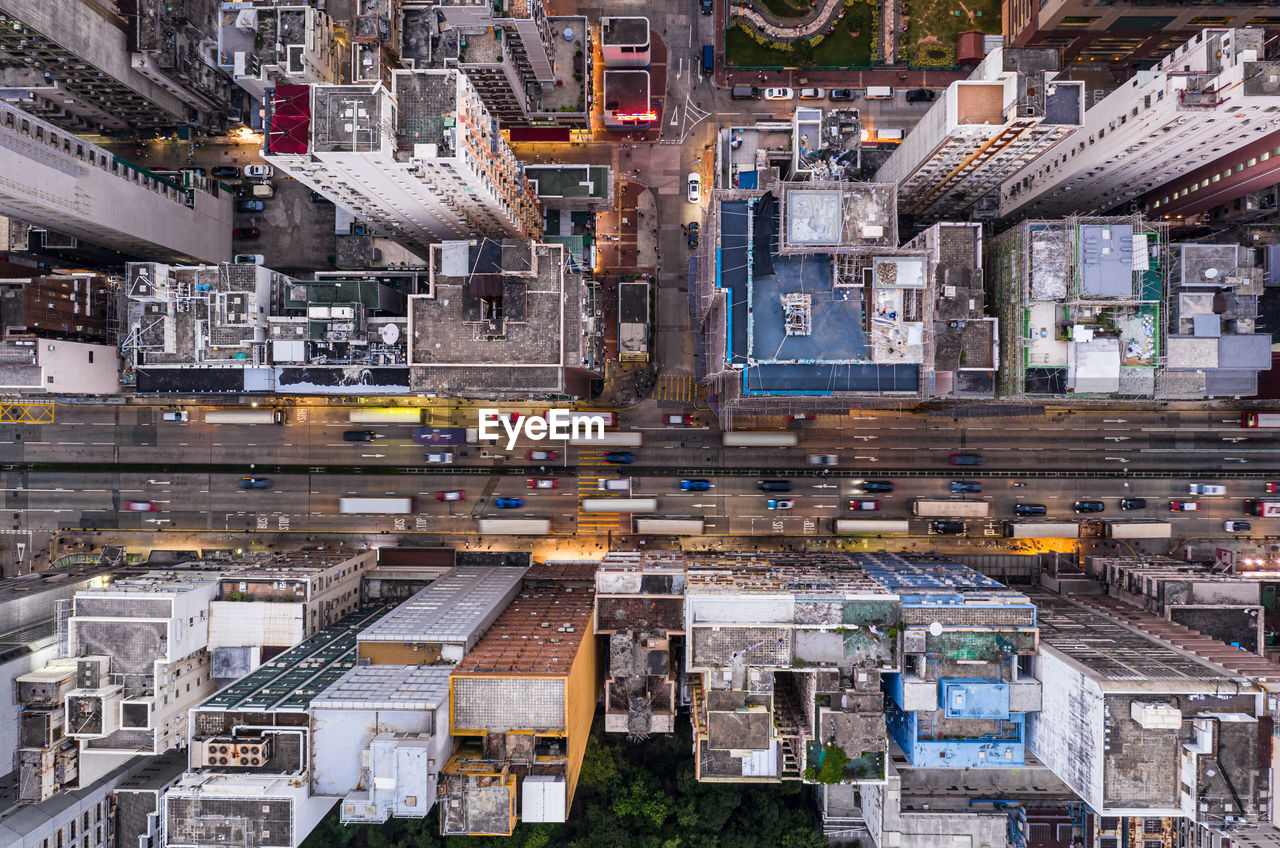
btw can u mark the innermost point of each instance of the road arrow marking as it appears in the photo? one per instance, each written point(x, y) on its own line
point(867, 458)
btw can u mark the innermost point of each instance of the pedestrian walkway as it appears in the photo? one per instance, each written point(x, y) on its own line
point(683, 389)
point(789, 33)
point(598, 522)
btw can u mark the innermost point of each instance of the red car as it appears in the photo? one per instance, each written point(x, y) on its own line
point(543, 455)
point(1272, 488)
point(678, 420)
point(1184, 506)
point(139, 506)
point(245, 233)
point(542, 483)
point(857, 506)
point(455, 495)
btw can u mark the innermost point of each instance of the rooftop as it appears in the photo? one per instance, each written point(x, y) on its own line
point(456, 608)
point(624, 31)
point(770, 574)
point(387, 687)
point(570, 181)
point(427, 104)
point(626, 91)
point(538, 635)
point(349, 118)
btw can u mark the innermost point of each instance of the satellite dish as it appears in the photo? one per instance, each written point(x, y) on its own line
point(390, 334)
point(936, 628)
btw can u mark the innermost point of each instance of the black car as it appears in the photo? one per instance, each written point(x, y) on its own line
point(357, 435)
point(1089, 506)
point(620, 457)
point(920, 95)
point(226, 172)
point(966, 487)
point(708, 6)
point(880, 486)
point(774, 485)
point(840, 94)
point(1133, 503)
point(693, 235)
point(1027, 510)
point(947, 528)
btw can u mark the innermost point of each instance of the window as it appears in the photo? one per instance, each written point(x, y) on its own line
point(1253, 160)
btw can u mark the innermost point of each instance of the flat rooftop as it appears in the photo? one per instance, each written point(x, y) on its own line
point(979, 103)
point(811, 575)
point(346, 118)
point(538, 635)
point(288, 682)
point(626, 91)
point(570, 180)
point(426, 110)
point(617, 32)
point(387, 687)
point(456, 608)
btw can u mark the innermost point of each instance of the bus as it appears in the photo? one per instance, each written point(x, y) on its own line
point(386, 415)
point(585, 415)
point(870, 527)
point(1042, 529)
point(1137, 529)
point(1262, 509)
point(515, 526)
point(949, 508)
point(1261, 420)
point(611, 440)
point(444, 435)
point(619, 505)
point(373, 506)
point(670, 526)
point(774, 439)
point(266, 415)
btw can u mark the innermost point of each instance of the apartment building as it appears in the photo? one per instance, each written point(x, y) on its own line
point(1202, 101)
point(262, 46)
point(86, 192)
point(420, 159)
point(170, 44)
point(981, 132)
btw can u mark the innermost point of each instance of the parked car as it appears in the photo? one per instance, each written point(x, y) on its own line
point(812, 93)
point(863, 506)
point(358, 435)
point(250, 259)
point(249, 206)
point(695, 485)
point(964, 459)
point(877, 486)
point(455, 495)
point(226, 172)
point(543, 455)
point(265, 191)
point(139, 506)
point(824, 459)
point(708, 6)
point(774, 485)
point(1205, 489)
point(802, 416)
point(245, 233)
point(681, 420)
point(781, 503)
point(695, 188)
point(692, 230)
point(620, 457)
point(1133, 503)
point(1237, 526)
point(180, 415)
point(442, 458)
point(508, 503)
point(946, 528)
point(966, 487)
point(258, 170)
point(840, 94)
point(1028, 510)
point(541, 483)
point(1089, 506)
point(920, 95)
point(779, 94)
point(1184, 506)
point(255, 483)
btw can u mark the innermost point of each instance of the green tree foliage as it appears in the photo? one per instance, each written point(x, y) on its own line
point(629, 796)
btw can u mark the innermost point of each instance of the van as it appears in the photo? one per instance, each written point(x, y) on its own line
point(879, 92)
point(263, 190)
point(1205, 489)
point(1029, 510)
point(947, 528)
point(615, 484)
point(357, 436)
point(774, 485)
point(745, 92)
point(708, 59)
point(890, 135)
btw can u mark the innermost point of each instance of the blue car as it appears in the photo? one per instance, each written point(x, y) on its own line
point(254, 483)
point(965, 487)
point(620, 457)
point(695, 485)
point(508, 503)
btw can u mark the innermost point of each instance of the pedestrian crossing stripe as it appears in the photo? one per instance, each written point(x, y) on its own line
point(684, 389)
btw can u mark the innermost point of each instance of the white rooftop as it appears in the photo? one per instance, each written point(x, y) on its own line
point(454, 609)
point(387, 687)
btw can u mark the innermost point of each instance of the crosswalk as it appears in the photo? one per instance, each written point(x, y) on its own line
point(589, 487)
point(684, 389)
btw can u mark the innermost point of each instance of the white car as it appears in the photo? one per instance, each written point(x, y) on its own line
point(250, 259)
point(779, 94)
point(1205, 489)
point(1237, 526)
point(439, 458)
point(174, 416)
point(812, 93)
point(824, 459)
point(695, 188)
point(258, 170)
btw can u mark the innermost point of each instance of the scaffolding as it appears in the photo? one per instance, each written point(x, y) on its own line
point(797, 311)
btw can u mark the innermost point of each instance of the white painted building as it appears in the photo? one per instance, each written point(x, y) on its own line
point(422, 160)
point(1207, 98)
point(265, 46)
point(982, 131)
point(62, 182)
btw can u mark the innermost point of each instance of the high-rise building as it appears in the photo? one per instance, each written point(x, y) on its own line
point(73, 63)
point(1205, 99)
point(70, 186)
point(982, 131)
point(422, 160)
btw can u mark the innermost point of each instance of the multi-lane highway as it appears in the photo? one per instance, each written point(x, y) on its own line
point(84, 471)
